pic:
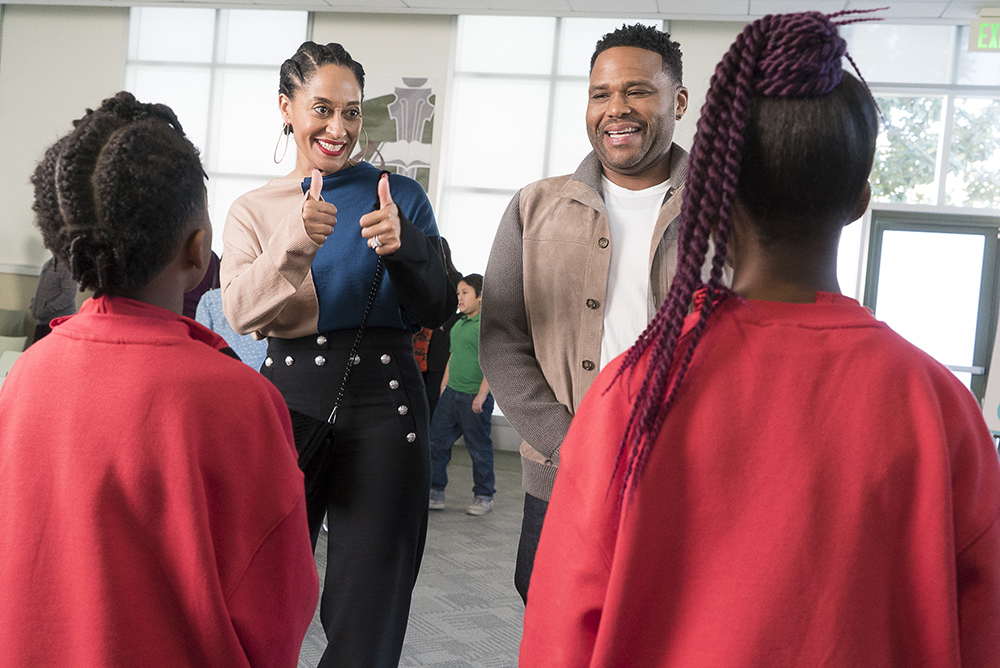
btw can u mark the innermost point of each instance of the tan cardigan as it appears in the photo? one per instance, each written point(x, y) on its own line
point(267, 286)
point(543, 304)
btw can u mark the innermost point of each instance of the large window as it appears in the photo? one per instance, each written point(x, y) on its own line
point(934, 280)
point(931, 269)
point(517, 115)
point(940, 145)
point(218, 70)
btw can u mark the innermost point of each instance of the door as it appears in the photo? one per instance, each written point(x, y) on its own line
point(933, 278)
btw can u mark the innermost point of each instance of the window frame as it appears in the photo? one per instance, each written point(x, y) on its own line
point(217, 69)
point(950, 92)
point(989, 291)
point(938, 217)
point(554, 78)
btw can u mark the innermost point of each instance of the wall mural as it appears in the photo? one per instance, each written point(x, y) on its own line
point(399, 119)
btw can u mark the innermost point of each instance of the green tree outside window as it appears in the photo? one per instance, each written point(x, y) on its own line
point(906, 156)
point(974, 172)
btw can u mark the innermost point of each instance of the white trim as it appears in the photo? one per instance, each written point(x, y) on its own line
point(944, 210)
point(859, 283)
point(23, 269)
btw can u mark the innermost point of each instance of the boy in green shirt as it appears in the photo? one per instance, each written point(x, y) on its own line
point(465, 407)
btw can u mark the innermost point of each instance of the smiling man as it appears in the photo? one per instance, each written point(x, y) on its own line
point(581, 263)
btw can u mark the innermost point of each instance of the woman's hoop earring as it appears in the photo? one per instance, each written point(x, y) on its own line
point(375, 152)
point(286, 130)
point(367, 141)
point(361, 151)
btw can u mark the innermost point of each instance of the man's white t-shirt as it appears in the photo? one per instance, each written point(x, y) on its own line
point(632, 215)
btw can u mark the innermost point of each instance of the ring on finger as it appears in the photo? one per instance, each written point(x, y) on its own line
point(374, 242)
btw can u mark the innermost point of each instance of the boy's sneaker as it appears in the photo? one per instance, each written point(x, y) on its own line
point(437, 500)
point(480, 506)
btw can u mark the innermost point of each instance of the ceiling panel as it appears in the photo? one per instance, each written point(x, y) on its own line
point(312, 5)
point(463, 5)
point(764, 7)
point(357, 5)
point(963, 10)
point(529, 6)
point(954, 11)
point(902, 10)
point(617, 8)
point(704, 7)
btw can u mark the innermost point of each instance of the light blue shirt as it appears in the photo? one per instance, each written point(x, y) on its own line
point(210, 314)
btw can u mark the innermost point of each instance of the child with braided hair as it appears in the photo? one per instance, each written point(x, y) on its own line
point(776, 479)
point(153, 510)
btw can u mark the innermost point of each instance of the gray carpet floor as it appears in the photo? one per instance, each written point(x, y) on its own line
point(465, 612)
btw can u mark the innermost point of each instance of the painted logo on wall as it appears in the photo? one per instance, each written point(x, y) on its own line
point(398, 115)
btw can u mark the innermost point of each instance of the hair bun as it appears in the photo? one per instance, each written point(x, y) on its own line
point(92, 257)
point(800, 55)
point(124, 106)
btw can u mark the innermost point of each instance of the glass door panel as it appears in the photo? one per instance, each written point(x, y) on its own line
point(928, 291)
point(933, 278)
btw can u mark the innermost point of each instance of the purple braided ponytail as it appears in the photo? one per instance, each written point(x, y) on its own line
point(789, 55)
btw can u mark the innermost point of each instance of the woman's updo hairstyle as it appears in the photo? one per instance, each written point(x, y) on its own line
point(786, 133)
point(114, 197)
point(298, 69)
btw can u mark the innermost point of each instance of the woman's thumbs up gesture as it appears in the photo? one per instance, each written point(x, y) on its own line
point(319, 216)
point(381, 227)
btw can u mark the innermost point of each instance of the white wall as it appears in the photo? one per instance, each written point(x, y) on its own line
point(702, 44)
point(54, 63)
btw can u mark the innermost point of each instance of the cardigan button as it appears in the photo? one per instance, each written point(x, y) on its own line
point(320, 360)
point(320, 340)
point(411, 437)
point(603, 242)
point(593, 303)
point(268, 362)
point(588, 365)
point(289, 361)
point(385, 359)
point(403, 410)
point(394, 384)
point(357, 360)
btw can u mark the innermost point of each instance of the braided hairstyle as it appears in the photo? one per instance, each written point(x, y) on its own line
point(114, 197)
point(791, 137)
point(309, 57)
point(648, 38)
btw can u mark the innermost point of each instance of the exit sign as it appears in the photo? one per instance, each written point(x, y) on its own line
point(984, 35)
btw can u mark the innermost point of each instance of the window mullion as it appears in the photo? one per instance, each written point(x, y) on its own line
point(944, 149)
point(956, 54)
point(211, 131)
point(550, 120)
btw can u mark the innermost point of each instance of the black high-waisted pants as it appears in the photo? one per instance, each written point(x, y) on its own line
point(376, 504)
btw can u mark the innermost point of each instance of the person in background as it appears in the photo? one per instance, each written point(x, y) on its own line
point(306, 258)
point(54, 297)
point(210, 314)
point(777, 479)
point(153, 513)
point(465, 408)
point(438, 345)
point(580, 263)
point(210, 282)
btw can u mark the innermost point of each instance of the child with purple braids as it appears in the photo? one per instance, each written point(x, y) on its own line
point(776, 479)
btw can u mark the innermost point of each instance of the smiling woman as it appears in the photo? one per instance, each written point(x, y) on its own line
point(326, 111)
point(300, 256)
